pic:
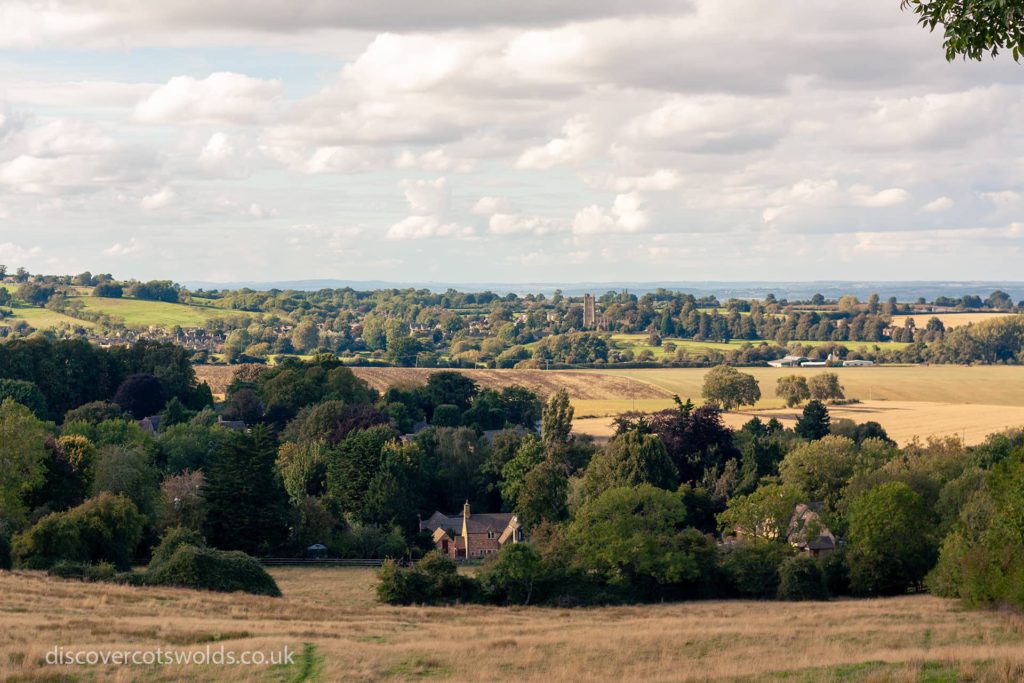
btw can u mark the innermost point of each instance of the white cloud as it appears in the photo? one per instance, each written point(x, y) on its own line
point(865, 196)
point(217, 151)
point(13, 253)
point(939, 204)
point(627, 214)
point(577, 141)
point(428, 205)
point(488, 206)
point(222, 97)
point(132, 246)
point(159, 199)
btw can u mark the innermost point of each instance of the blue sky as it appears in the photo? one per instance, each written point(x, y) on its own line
point(554, 141)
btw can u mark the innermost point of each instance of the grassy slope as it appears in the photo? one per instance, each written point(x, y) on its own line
point(42, 318)
point(331, 617)
point(138, 312)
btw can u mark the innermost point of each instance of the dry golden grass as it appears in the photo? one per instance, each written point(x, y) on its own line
point(949, 320)
point(357, 639)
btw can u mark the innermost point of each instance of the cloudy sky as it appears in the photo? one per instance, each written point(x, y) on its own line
point(537, 140)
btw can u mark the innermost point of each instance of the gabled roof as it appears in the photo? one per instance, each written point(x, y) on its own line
point(804, 515)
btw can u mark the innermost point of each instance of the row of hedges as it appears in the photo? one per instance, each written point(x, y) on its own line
point(518, 575)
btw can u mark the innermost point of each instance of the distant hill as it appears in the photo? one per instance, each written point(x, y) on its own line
point(832, 289)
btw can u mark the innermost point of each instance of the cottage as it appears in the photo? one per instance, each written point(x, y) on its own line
point(472, 536)
point(808, 533)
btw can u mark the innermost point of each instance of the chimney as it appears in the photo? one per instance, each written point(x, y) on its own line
point(465, 510)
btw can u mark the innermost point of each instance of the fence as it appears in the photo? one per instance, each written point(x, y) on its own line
point(310, 562)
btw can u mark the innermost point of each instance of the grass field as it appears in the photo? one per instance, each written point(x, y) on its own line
point(43, 318)
point(638, 343)
point(330, 617)
point(160, 313)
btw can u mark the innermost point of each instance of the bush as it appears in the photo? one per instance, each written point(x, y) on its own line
point(801, 578)
point(752, 569)
point(514, 577)
point(105, 528)
point(83, 571)
point(837, 572)
point(191, 566)
point(172, 540)
point(434, 580)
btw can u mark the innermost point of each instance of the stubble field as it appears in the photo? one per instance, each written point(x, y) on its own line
point(909, 401)
point(330, 618)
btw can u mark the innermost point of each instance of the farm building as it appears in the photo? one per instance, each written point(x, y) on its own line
point(469, 536)
point(788, 362)
point(857, 363)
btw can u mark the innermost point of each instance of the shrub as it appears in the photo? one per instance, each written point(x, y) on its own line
point(105, 528)
point(83, 571)
point(752, 569)
point(837, 572)
point(801, 578)
point(434, 580)
point(191, 566)
point(173, 539)
point(514, 577)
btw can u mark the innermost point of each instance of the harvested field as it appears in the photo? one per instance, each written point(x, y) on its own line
point(984, 384)
point(330, 618)
point(583, 387)
point(903, 420)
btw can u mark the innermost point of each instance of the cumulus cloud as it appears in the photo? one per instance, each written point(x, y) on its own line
point(690, 117)
point(577, 140)
point(428, 206)
point(626, 214)
point(939, 204)
point(14, 253)
point(159, 199)
point(132, 246)
point(222, 97)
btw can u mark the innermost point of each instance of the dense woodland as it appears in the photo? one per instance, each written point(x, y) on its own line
point(675, 506)
point(458, 329)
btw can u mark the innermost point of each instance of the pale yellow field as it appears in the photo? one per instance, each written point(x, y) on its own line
point(949, 320)
point(903, 420)
point(908, 401)
point(330, 617)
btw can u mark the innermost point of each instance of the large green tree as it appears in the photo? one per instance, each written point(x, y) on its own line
point(891, 542)
point(638, 538)
point(729, 388)
point(973, 28)
point(22, 457)
point(247, 507)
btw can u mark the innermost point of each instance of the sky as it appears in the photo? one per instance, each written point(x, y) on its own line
point(527, 141)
